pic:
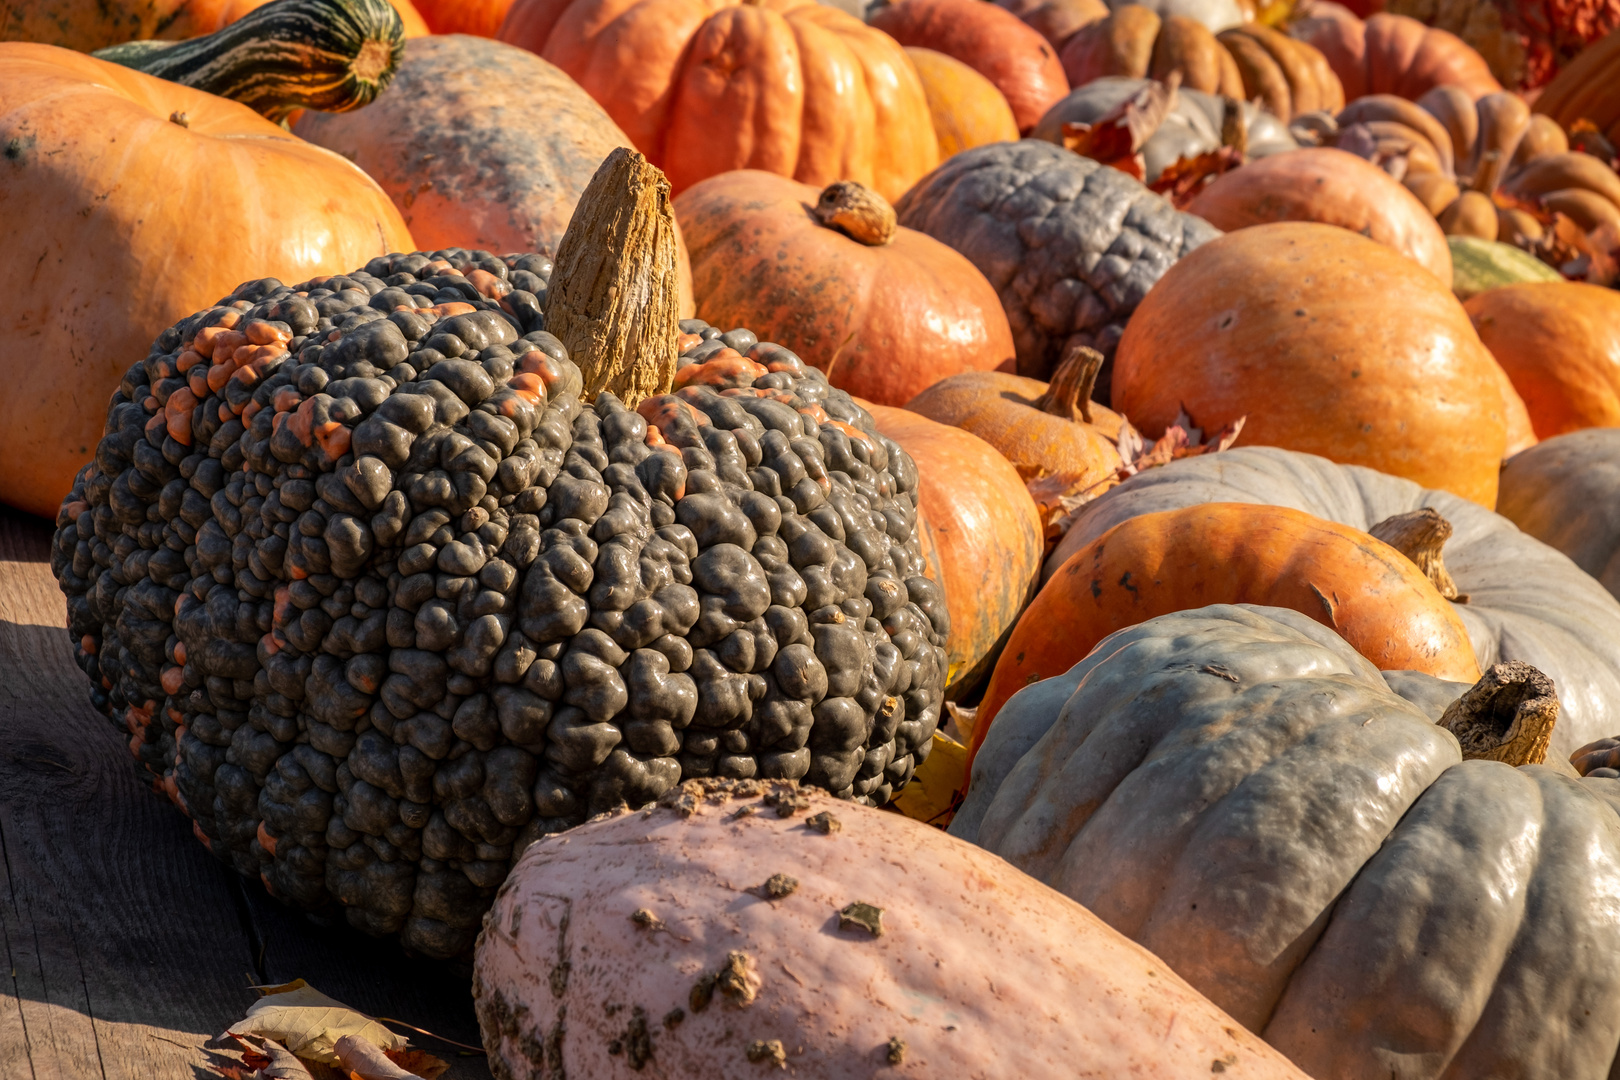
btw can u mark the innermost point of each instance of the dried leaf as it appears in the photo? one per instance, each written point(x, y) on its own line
point(1185, 177)
point(365, 1060)
point(1117, 138)
point(309, 1022)
point(1181, 439)
point(419, 1063)
point(283, 1064)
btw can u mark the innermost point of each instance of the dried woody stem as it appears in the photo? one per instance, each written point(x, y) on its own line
point(1420, 535)
point(1072, 384)
point(614, 298)
point(858, 212)
point(1507, 716)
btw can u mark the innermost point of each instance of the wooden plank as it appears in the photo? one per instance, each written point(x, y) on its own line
point(125, 944)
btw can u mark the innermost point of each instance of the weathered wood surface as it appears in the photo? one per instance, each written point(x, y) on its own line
point(126, 945)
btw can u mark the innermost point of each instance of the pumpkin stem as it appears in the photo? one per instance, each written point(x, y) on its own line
point(1420, 536)
point(614, 297)
point(1507, 716)
point(858, 212)
point(1072, 384)
point(326, 55)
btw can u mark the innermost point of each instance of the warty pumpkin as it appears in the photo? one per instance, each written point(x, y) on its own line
point(1391, 54)
point(377, 597)
point(78, 133)
point(1330, 187)
point(788, 86)
point(989, 39)
point(1560, 344)
point(747, 928)
point(966, 107)
point(1232, 553)
point(884, 311)
point(462, 150)
point(1526, 601)
point(1294, 326)
point(1563, 493)
point(985, 532)
point(1071, 246)
point(1329, 853)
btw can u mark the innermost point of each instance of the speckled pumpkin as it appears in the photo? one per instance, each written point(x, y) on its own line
point(87, 25)
point(1294, 833)
point(884, 318)
point(102, 279)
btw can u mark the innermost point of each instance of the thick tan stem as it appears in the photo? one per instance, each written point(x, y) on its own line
point(1507, 716)
point(1072, 383)
point(614, 297)
point(1420, 536)
point(858, 212)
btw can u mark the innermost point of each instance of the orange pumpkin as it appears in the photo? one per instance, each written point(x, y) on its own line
point(231, 10)
point(1559, 342)
point(1588, 88)
point(88, 25)
point(480, 17)
point(991, 40)
point(1056, 20)
point(466, 156)
point(1392, 54)
point(985, 532)
point(966, 107)
point(1234, 553)
point(1329, 343)
point(884, 315)
point(88, 144)
point(706, 86)
point(1332, 187)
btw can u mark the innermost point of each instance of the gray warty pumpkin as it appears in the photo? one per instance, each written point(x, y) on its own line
point(1566, 492)
point(1071, 245)
point(380, 594)
point(1525, 601)
point(1239, 791)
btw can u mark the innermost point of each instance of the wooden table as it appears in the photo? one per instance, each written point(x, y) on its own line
point(127, 946)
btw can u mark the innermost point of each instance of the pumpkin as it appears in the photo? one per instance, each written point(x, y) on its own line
point(470, 162)
point(1526, 601)
point(1056, 20)
point(331, 55)
point(480, 17)
point(233, 10)
point(1585, 89)
point(883, 311)
point(1563, 494)
point(966, 107)
point(1233, 553)
point(1333, 188)
point(1560, 344)
point(1217, 15)
point(1391, 54)
point(87, 25)
point(992, 41)
point(607, 623)
point(1370, 890)
point(743, 928)
point(985, 531)
point(791, 87)
point(1480, 265)
point(78, 134)
point(1070, 245)
point(1191, 127)
point(1307, 307)
point(1525, 44)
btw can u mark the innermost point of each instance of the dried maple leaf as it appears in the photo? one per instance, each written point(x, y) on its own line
point(419, 1063)
point(1185, 177)
point(309, 1022)
point(365, 1060)
point(1117, 137)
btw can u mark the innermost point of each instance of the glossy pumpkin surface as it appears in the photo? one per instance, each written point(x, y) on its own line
point(1393, 54)
point(706, 86)
point(882, 321)
point(231, 10)
point(103, 279)
point(480, 17)
point(966, 107)
point(1329, 343)
point(1560, 344)
point(88, 25)
point(1234, 553)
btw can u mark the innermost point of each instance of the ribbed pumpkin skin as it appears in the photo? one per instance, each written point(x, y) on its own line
point(87, 25)
point(1566, 493)
point(93, 142)
point(1332, 187)
point(1588, 88)
point(233, 10)
point(1559, 341)
point(1234, 553)
point(460, 146)
point(480, 17)
point(1393, 54)
point(1329, 343)
point(882, 322)
point(966, 107)
point(993, 41)
point(986, 534)
point(705, 86)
